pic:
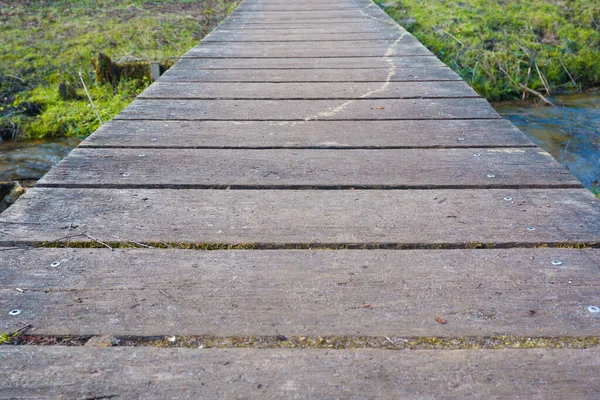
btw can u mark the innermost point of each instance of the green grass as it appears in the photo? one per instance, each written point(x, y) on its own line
point(497, 45)
point(6, 338)
point(45, 43)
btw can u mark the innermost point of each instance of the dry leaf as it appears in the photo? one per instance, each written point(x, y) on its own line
point(440, 320)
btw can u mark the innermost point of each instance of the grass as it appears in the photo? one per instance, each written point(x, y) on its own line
point(545, 45)
point(45, 43)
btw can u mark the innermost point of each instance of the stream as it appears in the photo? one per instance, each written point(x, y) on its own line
point(570, 132)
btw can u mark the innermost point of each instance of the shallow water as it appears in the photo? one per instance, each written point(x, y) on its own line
point(570, 132)
point(24, 160)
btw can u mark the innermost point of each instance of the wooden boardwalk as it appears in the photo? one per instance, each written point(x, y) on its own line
point(312, 184)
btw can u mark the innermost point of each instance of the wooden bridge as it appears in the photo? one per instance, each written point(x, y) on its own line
point(309, 204)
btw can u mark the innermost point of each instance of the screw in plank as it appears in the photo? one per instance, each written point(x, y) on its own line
point(508, 199)
point(531, 229)
point(491, 176)
point(55, 264)
point(461, 139)
point(556, 262)
point(593, 309)
point(477, 155)
point(14, 312)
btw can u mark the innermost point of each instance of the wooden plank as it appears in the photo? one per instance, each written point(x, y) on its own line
point(303, 110)
point(390, 74)
point(310, 29)
point(305, 36)
point(312, 15)
point(450, 168)
point(282, 217)
point(304, 90)
point(251, 373)
point(311, 134)
point(481, 293)
point(406, 47)
point(307, 63)
point(235, 23)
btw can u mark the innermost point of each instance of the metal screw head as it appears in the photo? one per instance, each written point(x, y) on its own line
point(142, 155)
point(125, 174)
point(153, 140)
point(491, 176)
point(593, 309)
point(477, 154)
point(461, 139)
point(530, 229)
point(55, 264)
point(556, 262)
point(14, 312)
point(508, 199)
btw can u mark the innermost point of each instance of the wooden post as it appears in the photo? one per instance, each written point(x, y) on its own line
point(155, 71)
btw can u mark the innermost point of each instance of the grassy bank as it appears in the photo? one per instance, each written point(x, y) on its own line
point(497, 46)
point(46, 43)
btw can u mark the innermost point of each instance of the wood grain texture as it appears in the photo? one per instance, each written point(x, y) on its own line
point(307, 63)
point(312, 90)
point(151, 292)
point(312, 75)
point(305, 110)
point(456, 168)
point(283, 217)
point(408, 46)
point(317, 134)
point(223, 35)
point(244, 373)
point(310, 27)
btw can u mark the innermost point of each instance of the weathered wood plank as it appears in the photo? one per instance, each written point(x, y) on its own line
point(456, 168)
point(310, 29)
point(304, 90)
point(303, 110)
point(405, 47)
point(248, 373)
point(390, 74)
point(307, 63)
point(309, 15)
point(240, 22)
point(482, 293)
point(311, 134)
point(260, 36)
point(282, 217)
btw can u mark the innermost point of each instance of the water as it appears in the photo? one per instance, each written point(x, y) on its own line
point(30, 160)
point(570, 132)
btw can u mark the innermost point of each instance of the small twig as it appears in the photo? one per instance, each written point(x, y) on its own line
point(542, 78)
point(165, 293)
point(538, 94)
point(96, 240)
point(567, 71)
point(22, 329)
point(90, 99)
point(474, 69)
point(139, 244)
